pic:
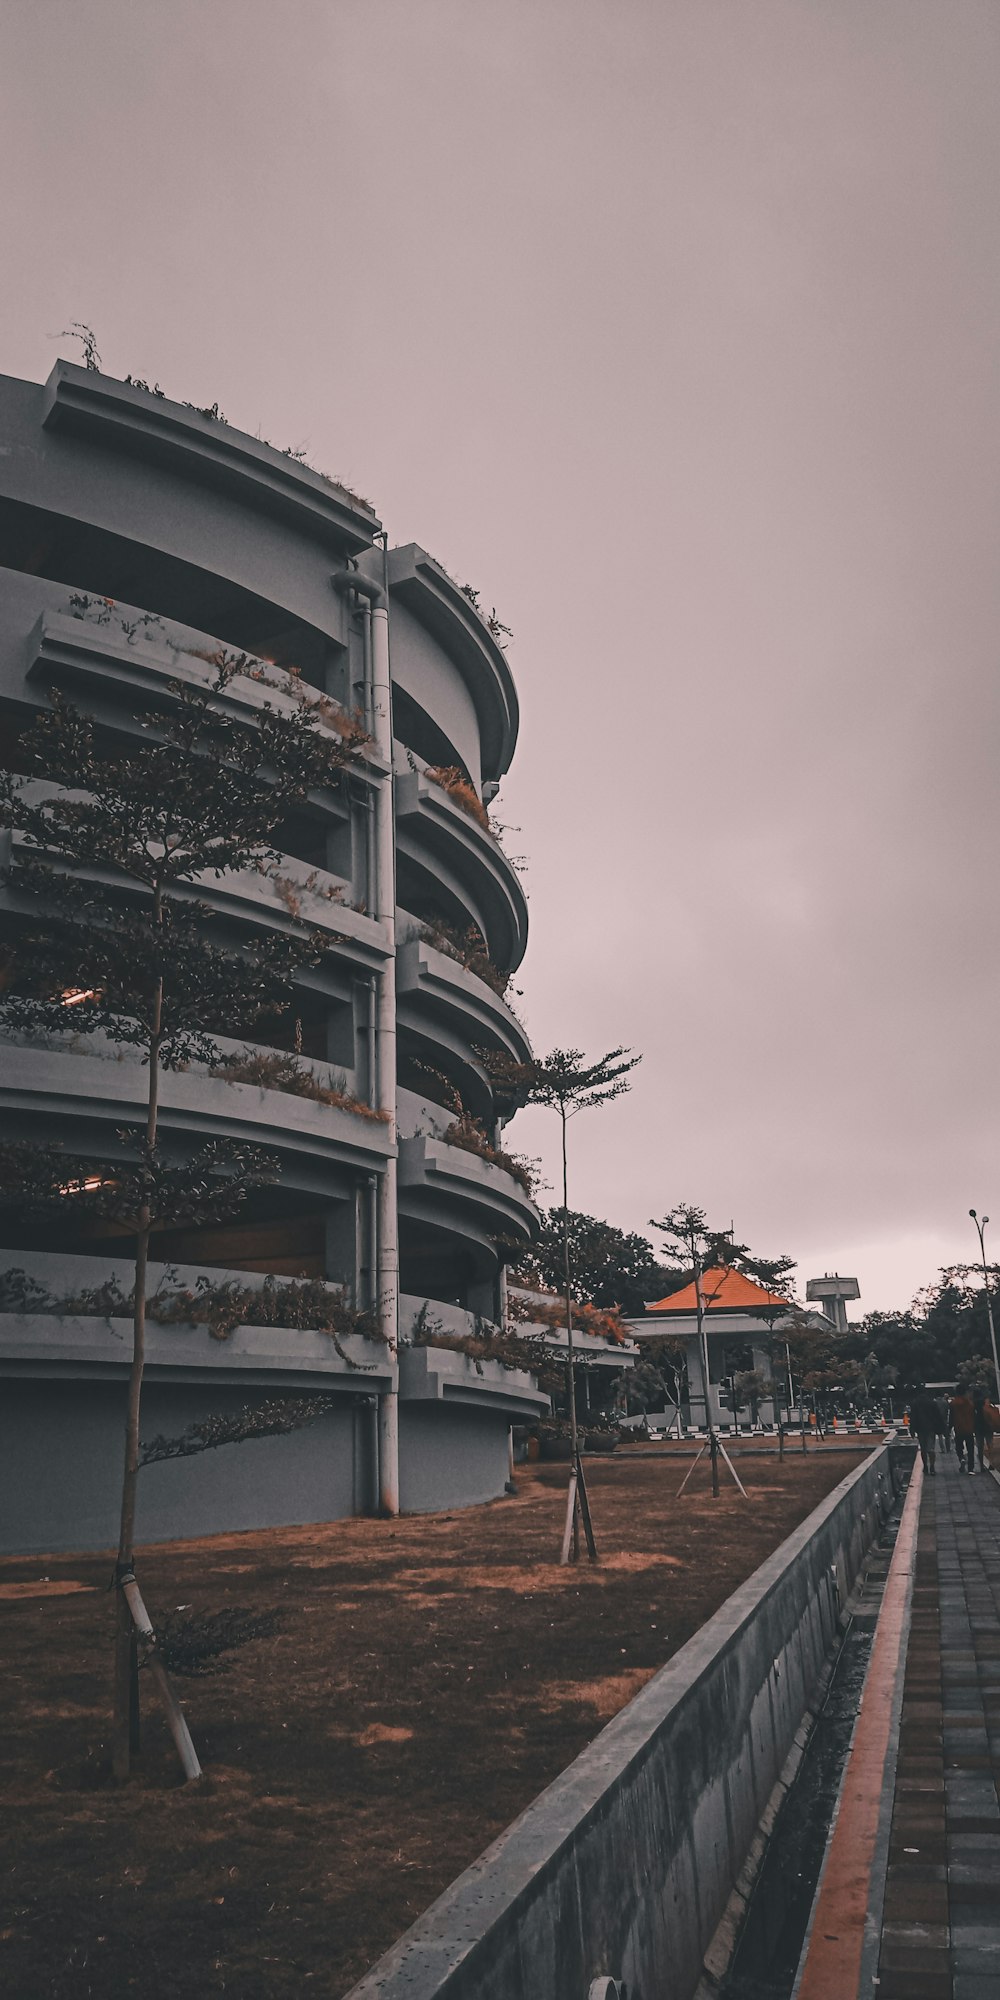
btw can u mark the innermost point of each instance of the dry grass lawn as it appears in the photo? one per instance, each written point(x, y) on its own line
point(425, 1679)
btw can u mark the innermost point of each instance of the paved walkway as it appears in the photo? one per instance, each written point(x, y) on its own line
point(941, 1917)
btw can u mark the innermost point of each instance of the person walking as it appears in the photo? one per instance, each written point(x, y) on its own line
point(924, 1421)
point(986, 1421)
point(962, 1418)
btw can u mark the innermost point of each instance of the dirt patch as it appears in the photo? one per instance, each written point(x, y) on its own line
point(428, 1677)
point(602, 1698)
point(42, 1587)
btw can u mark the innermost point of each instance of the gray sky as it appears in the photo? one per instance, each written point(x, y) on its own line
point(672, 325)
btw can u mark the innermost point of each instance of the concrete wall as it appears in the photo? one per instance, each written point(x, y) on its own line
point(61, 1446)
point(625, 1865)
point(451, 1457)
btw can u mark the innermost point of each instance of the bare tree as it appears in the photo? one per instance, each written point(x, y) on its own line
point(565, 1082)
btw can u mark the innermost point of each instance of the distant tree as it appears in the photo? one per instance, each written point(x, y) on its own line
point(689, 1238)
point(109, 935)
point(909, 1344)
point(643, 1387)
point(750, 1388)
point(610, 1267)
point(956, 1315)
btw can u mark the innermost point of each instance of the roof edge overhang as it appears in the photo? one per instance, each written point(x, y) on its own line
point(192, 442)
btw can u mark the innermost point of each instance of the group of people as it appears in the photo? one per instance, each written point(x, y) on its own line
point(968, 1416)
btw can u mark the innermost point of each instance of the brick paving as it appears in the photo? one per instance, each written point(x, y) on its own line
point(941, 1919)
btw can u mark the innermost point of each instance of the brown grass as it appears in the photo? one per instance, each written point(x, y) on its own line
point(428, 1678)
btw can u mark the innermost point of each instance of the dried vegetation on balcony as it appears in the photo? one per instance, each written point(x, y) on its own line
point(275, 1069)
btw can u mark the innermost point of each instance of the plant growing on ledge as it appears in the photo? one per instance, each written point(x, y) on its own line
point(469, 949)
point(494, 625)
point(471, 1135)
point(196, 790)
point(453, 780)
point(277, 1069)
point(78, 330)
point(489, 1342)
point(304, 1304)
point(600, 1322)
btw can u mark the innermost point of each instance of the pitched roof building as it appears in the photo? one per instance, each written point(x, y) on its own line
point(740, 1316)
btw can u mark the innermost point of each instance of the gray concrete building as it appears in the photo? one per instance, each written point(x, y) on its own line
point(137, 536)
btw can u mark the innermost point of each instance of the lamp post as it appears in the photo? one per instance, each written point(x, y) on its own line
point(980, 1227)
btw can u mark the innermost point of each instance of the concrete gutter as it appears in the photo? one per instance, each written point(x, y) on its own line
point(624, 1867)
point(840, 1957)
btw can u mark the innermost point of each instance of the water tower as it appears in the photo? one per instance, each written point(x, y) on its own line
point(832, 1293)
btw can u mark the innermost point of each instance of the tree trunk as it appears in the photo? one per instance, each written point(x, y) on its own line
point(570, 1372)
point(125, 1727)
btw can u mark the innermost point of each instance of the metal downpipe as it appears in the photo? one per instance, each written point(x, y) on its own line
point(387, 1267)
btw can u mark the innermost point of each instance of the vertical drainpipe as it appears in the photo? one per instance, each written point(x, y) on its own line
point(387, 1268)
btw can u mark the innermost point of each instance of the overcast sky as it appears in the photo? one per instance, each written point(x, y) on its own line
point(671, 325)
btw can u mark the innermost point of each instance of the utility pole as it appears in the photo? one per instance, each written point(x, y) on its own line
point(980, 1228)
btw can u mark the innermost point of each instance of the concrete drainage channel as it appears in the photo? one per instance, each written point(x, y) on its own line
point(632, 1871)
point(766, 1960)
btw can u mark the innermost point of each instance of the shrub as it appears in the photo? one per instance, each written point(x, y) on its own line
point(469, 949)
point(467, 1132)
point(604, 1322)
point(489, 1342)
point(277, 1069)
point(306, 1304)
point(454, 781)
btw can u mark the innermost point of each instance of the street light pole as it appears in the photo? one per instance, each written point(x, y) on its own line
point(980, 1227)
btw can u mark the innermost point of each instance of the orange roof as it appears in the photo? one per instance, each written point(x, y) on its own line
point(723, 1290)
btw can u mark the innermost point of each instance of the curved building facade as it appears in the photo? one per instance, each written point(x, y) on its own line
point(137, 537)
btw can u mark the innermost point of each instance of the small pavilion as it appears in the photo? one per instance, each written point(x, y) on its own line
point(740, 1317)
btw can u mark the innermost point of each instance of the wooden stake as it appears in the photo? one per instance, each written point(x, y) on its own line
point(732, 1469)
point(577, 1510)
point(172, 1708)
point(567, 1539)
point(717, 1448)
point(692, 1468)
point(588, 1526)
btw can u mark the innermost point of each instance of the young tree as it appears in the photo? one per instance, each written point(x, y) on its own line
point(565, 1082)
point(750, 1387)
point(109, 935)
point(662, 1372)
point(691, 1246)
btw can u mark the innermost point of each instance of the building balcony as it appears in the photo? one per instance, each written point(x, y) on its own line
point(294, 895)
point(448, 851)
point(441, 607)
point(108, 489)
point(95, 1346)
point(208, 452)
point(442, 1375)
point(87, 1096)
point(95, 652)
point(432, 987)
point(456, 1189)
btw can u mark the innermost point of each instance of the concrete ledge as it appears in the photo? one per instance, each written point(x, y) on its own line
point(197, 447)
point(625, 1865)
point(440, 1374)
